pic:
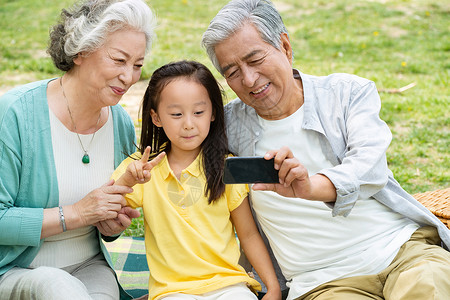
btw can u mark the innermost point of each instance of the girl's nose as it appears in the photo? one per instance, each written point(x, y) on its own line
point(188, 124)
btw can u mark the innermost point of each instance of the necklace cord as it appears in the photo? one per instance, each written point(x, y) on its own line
point(85, 150)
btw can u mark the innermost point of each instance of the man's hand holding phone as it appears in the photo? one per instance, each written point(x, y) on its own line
point(249, 169)
point(294, 180)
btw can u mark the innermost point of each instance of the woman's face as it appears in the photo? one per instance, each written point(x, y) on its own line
point(110, 71)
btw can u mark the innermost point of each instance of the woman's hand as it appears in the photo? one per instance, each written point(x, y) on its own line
point(104, 203)
point(119, 224)
point(101, 204)
point(295, 180)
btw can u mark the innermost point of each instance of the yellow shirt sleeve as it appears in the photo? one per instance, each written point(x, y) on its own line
point(235, 194)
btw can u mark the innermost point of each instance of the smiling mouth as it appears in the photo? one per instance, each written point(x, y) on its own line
point(260, 90)
point(118, 90)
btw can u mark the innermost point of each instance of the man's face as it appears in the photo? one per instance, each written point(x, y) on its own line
point(259, 74)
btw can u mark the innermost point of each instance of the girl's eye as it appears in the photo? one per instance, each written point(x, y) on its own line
point(199, 112)
point(176, 115)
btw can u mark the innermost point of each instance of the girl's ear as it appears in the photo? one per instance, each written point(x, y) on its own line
point(155, 118)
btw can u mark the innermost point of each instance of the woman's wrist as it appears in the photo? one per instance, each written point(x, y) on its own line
point(62, 219)
point(72, 217)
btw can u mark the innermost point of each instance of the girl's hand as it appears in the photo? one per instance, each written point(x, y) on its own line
point(115, 226)
point(139, 170)
point(272, 295)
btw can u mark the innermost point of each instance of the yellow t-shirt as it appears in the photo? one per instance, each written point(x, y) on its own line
point(191, 245)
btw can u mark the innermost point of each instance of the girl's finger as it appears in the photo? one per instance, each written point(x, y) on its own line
point(149, 165)
point(146, 154)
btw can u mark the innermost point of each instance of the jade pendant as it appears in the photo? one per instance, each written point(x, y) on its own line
point(85, 158)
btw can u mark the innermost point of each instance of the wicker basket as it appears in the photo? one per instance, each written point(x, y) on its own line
point(438, 202)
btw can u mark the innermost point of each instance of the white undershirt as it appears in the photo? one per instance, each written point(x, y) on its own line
point(310, 245)
point(75, 181)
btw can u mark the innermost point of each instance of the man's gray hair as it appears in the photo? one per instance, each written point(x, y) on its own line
point(86, 26)
point(261, 13)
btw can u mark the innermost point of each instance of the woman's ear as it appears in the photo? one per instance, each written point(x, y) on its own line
point(155, 118)
point(78, 59)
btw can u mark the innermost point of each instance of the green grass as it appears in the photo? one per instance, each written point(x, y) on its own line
point(393, 43)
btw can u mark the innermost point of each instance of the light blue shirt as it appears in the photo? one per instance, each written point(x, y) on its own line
point(343, 110)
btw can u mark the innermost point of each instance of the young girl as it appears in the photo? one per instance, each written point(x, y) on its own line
point(190, 215)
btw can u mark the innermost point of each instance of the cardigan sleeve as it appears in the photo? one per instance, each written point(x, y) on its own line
point(20, 225)
point(124, 135)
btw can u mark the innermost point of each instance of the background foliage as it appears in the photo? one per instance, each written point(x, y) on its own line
point(394, 43)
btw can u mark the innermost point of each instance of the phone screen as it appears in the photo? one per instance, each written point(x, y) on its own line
point(249, 170)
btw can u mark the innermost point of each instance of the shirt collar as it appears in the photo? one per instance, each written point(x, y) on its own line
point(194, 168)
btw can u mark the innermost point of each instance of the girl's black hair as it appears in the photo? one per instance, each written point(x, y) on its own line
point(214, 147)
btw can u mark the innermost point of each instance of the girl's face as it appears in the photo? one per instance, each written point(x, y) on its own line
point(185, 114)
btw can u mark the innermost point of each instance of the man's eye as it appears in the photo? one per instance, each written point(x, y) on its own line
point(257, 61)
point(232, 74)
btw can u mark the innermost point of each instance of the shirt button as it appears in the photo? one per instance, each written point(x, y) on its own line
point(183, 206)
point(182, 192)
point(185, 175)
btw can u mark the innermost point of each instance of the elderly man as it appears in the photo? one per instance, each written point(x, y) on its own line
point(339, 225)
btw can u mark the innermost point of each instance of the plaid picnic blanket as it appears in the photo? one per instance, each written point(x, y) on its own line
point(130, 264)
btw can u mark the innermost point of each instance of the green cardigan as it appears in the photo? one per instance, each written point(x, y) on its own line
point(28, 181)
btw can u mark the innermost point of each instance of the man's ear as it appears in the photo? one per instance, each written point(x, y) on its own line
point(155, 118)
point(286, 47)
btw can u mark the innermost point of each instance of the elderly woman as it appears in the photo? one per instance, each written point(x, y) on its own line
point(60, 140)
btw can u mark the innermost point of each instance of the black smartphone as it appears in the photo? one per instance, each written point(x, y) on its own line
point(252, 169)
